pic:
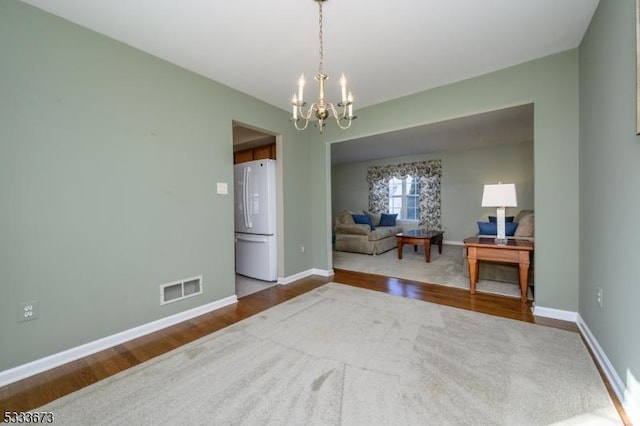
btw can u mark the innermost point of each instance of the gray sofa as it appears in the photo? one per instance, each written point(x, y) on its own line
point(359, 238)
point(502, 271)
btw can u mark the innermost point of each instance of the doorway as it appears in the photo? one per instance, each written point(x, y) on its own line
point(487, 147)
point(251, 144)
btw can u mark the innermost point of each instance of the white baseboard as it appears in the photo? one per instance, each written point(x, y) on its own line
point(540, 311)
point(453, 243)
point(629, 401)
point(52, 361)
point(304, 274)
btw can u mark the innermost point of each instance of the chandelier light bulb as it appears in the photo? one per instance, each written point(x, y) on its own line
point(294, 101)
point(300, 88)
point(343, 88)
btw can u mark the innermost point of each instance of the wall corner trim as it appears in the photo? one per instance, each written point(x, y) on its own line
point(43, 364)
point(305, 274)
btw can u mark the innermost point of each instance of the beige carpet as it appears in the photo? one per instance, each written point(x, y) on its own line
point(444, 269)
point(341, 355)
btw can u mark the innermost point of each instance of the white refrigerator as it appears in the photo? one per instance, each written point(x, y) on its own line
point(255, 219)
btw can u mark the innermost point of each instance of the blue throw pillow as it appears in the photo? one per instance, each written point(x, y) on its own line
point(388, 219)
point(507, 219)
point(491, 228)
point(487, 228)
point(363, 219)
point(510, 228)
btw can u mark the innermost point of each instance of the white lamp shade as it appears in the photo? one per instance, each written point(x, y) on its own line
point(500, 195)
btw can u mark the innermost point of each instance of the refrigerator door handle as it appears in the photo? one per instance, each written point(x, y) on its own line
point(246, 194)
point(251, 239)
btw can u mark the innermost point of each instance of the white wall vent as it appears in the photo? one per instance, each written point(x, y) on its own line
point(179, 290)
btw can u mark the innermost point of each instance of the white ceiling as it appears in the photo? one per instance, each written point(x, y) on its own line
point(387, 49)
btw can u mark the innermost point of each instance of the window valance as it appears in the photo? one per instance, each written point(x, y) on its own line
point(422, 169)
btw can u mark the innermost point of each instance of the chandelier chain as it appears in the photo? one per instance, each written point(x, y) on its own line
point(321, 69)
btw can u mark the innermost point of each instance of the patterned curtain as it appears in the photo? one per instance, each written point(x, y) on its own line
point(429, 174)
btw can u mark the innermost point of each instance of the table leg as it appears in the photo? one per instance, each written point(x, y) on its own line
point(427, 250)
point(524, 286)
point(473, 269)
point(440, 245)
point(523, 269)
point(399, 244)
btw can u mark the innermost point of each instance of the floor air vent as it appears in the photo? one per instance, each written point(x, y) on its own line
point(179, 290)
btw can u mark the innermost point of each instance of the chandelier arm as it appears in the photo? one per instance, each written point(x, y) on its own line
point(304, 116)
point(344, 127)
point(342, 115)
point(295, 123)
point(333, 110)
point(307, 115)
point(339, 117)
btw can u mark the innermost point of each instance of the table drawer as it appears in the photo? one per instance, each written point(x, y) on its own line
point(495, 254)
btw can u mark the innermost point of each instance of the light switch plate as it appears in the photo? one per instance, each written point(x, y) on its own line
point(222, 188)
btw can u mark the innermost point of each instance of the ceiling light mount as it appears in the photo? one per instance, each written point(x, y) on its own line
point(321, 109)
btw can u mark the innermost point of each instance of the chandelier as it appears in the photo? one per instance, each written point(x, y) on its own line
point(321, 109)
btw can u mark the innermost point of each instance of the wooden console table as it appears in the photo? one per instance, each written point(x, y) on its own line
point(513, 251)
point(421, 237)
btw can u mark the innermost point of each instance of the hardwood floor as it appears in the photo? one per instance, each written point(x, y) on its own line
point(40, 389)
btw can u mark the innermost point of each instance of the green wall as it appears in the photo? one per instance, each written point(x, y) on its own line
point(464, 172)
point(109, 159)
point(609, 182)
point(551, 83)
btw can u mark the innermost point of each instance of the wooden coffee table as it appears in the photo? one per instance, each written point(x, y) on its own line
point(420, 237)
point(513, 251)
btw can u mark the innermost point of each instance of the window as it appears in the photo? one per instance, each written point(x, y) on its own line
point(388, 194)
point(404, 197)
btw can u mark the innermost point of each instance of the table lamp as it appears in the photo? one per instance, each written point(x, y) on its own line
point(500, 195)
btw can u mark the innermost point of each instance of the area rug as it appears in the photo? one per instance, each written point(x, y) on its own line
point(341, 355)
point(443, 269)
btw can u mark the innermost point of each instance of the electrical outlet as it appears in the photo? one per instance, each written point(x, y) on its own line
point(599, 296)
point(28, 311)
point(301, 249)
